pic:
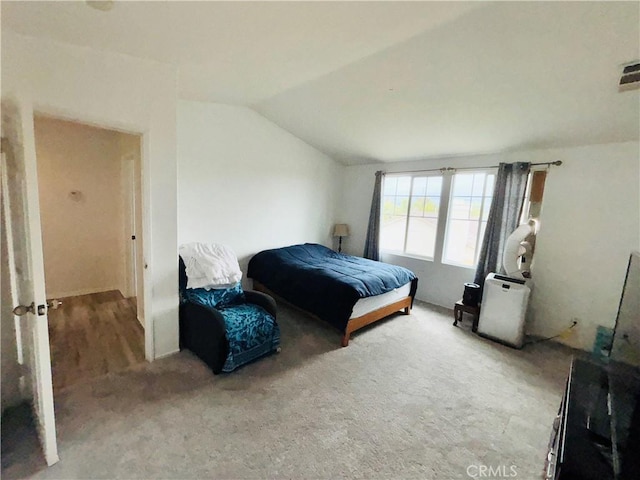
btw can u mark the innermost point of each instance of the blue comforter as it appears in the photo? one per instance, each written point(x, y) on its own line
point(323, 282)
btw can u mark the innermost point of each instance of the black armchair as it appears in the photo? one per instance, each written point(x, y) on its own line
point(212, 333)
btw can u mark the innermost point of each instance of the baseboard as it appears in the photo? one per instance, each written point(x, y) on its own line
point(448, 306)
point(165, 355)
point(84, 291)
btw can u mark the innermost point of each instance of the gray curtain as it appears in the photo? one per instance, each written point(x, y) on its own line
point(372, 245)
point(504, 216)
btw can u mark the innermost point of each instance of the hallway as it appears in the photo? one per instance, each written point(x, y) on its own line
point(91, 335)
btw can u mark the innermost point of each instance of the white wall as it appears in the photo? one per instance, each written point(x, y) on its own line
point(245, 182)
point(81, 212)
point(589, 224)
point(128, 94)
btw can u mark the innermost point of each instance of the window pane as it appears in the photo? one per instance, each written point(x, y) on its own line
point(402, 204)
point(388, 205)
point(478, 184)
point(469, 209)
point(460, 208)
point(476, 207)
point(410, 214)
point(462, 184)
point(487, 207)
point(432, 207)
point(390, 184)
point(392, 232)
point(417, 207)
point(490, 180)
point(434, 186)
point(404, 185)
point(461, 242)
point(419, 186)
point(421, 238)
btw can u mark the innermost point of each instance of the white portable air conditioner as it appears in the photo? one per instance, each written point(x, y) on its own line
point(504, 305)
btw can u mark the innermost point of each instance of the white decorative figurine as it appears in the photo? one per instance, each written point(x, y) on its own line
point(517, 251)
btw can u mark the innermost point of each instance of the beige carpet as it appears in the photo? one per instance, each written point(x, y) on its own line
point(411, 397)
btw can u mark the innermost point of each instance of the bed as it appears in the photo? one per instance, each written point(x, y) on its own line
point(347, 292)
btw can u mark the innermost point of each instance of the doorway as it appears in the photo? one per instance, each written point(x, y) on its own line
point(89, 181)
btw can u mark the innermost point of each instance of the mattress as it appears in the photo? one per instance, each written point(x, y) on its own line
point(369, 304)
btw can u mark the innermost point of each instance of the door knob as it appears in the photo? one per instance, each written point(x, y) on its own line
point(53, 304)
point(21, 310)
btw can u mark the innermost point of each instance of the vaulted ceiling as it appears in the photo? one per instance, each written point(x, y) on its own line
point(371, 81)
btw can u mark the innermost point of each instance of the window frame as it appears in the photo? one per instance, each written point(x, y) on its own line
point(442, 229)
point(412, 176)
point(479, 238)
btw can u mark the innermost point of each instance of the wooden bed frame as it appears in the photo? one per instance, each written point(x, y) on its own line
point(354, 323)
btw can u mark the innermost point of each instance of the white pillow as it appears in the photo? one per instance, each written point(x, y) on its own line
point(210, 265)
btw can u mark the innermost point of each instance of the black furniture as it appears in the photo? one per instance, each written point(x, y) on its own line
point(460, 308)
point(203, 330)
point(596, 435)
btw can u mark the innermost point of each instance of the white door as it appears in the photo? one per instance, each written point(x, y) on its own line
point(20, 194)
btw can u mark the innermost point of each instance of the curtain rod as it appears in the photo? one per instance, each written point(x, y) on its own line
point(557, 163)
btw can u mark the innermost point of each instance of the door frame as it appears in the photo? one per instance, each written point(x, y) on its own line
point(130, 214)
point(145, 201)
point(130, 164)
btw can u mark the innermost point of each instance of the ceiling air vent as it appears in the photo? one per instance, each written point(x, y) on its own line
point(630, 78)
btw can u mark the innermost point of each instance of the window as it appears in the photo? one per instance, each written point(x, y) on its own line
point(469, 205)
point(410, 215)
point(410, 207)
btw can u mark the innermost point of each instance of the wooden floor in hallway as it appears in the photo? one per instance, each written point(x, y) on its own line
point(91, 335)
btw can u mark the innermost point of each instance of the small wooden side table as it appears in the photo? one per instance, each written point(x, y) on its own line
point(461, 308)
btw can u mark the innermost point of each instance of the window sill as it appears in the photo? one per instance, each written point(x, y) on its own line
point(406, 255)
point(459, 265)
point(426, 259)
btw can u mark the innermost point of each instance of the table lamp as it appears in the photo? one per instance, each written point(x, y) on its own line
point(340, 230)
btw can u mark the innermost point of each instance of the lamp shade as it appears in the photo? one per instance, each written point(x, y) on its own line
point(341, 230)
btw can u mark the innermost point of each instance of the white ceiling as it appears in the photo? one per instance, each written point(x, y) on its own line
point(389, 81)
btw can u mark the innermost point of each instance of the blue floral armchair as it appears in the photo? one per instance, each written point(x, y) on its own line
point(227, 328)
